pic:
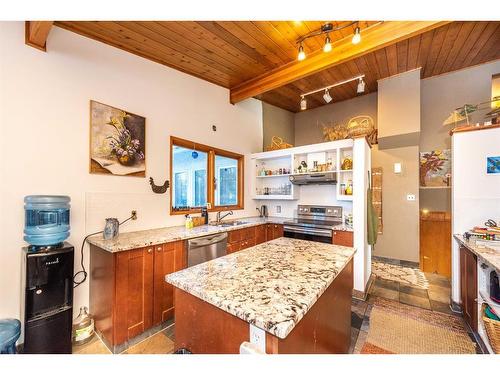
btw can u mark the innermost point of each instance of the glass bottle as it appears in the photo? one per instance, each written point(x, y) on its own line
point(83, 327)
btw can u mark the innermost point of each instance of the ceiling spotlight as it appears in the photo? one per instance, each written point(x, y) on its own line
point(361, 86)
point(303, 103)
point(328, 44)
point(356, 38)
point(302, 55)
point(327, 96)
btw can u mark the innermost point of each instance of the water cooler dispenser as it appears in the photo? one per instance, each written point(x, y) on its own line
point(48, 264)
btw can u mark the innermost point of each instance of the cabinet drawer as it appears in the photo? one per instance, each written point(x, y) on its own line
point(343, 238)
point(248, 233)
point(247, 243)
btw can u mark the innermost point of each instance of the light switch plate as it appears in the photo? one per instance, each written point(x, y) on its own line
point(278, 209)
point(397, 168)
point(410, 197)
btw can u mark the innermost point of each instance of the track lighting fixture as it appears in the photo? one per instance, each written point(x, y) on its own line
point(302, 55)
point(361, 86)
point(328, 44)
point(303, 103)
point(326, 29)
point(327, 96)
point(356, 38)
point(326, 90)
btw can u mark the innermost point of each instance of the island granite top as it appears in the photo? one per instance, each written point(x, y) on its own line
point(489, 255)
point(133, 240)
point(271, 285)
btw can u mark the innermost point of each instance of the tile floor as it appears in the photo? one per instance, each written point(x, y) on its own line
point(435, 298)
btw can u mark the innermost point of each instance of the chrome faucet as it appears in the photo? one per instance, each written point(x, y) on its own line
point(219, 217)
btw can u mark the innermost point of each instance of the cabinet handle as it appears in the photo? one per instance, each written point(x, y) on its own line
point(150, 251)
point(158, 248)
point(334, 233)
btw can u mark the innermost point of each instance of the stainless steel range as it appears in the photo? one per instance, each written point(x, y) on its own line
point(314, 223)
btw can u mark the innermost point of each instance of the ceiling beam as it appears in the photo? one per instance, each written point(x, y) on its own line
point(374, 37)
point(36, 33)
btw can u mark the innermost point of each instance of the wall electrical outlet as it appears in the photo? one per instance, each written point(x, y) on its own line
point(278, 209)
point(410, 197)
point(134, 215)
point(258, 337)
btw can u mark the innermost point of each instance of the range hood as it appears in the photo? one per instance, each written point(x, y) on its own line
point(327, 178)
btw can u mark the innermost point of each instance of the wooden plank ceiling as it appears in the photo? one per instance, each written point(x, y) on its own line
point(228, 53)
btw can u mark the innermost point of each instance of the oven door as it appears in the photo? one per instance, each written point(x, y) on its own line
point(309, 234)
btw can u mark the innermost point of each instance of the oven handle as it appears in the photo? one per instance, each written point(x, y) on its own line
point(318, 232)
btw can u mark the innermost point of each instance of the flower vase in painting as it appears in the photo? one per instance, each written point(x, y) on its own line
point(117, 141)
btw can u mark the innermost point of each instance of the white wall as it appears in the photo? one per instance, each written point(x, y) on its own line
point(44, 137)
point(475, 194)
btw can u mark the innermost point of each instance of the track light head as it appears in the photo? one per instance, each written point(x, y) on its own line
point(327, 97)
point(361, 86)
point(328, 44)
point(356, 38)
point(303, 103)
point(302, 55)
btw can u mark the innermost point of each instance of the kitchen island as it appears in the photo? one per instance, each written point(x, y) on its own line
point(294, 295)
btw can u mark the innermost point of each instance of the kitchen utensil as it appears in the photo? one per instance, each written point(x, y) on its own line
point(491, 223)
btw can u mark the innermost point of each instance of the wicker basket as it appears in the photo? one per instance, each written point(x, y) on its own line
point(360, 126)
point(492, 330)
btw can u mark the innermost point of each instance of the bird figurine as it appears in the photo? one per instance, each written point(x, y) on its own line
point(159, 189)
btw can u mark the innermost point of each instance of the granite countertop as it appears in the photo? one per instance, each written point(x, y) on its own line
point(133, 240)
point(489, 255)
point(149, 237)
point(271, 285)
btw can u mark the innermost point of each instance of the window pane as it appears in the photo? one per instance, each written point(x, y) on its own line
point(189, 169)
point(226, 175)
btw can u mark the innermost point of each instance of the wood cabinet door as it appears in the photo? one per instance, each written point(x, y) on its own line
point(133, 293)
point(168, 258)
point(274, 231)
point(260, 234)
point(463, 278)
point(435, 244)
point(343, 238)
point(234, 235)
point(233, 247)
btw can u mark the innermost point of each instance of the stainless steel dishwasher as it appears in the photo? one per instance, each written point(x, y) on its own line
point(203, 249)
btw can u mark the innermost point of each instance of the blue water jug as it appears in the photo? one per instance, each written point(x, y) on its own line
point(46, 219)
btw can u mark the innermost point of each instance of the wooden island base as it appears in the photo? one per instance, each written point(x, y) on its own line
point(326, 328)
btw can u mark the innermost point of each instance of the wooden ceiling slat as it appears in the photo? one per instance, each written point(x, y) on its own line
point(424, 49)
point(218, 30)
point(381, 58)
point(469, 43)
point(413, 48)
point(180, 33)
point(437, 42)
point(370, 78)
point(173, 60)
point(458, 44)
point(402, 48)
point(446, 46)
point(493, 41)
point(150, 31)
point(480, 42)
point(272, 33)
point(251, 41)
point(392, 58)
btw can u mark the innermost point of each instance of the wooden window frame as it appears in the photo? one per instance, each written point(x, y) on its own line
point(211, 152)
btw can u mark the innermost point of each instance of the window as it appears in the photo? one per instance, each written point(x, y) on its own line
point(204, 176)
point(226, 181)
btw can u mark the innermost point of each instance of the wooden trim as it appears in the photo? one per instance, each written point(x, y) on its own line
point(463, 129)
point(211, 153)
point(36, 33)
point(375, 37)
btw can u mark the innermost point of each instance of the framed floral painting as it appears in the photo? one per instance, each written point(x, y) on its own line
point(117, 141)
point(435, 169)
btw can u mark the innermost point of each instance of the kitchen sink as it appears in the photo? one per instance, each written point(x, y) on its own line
point(229, 223)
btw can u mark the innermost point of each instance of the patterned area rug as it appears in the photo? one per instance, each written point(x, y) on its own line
point(406, 275)
point(400, 329)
